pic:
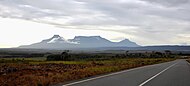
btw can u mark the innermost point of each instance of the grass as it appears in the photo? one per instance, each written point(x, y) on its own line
point(25, 59)
point(57, 62)
point(37, 71)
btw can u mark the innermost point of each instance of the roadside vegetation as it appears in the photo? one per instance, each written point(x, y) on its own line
point(59, 68)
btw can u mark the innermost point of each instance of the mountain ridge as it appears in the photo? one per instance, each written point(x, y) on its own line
point(58, 42)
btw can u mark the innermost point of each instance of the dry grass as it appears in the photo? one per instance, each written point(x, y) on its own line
point(44, 73)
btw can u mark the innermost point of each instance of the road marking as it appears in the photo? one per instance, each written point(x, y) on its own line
point(187, 62)
point(116, 73)
point(157, 75)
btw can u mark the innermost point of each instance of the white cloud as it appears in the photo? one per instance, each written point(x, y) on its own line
point(15, 32)
point(144, 21)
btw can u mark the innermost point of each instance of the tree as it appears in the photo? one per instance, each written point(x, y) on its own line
point(126, 53)
point(65, 56)
point(168, 53)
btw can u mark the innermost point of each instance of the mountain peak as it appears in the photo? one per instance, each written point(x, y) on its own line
point(55, 39)
point(56, 36)
point(128, 42)
point(125, 40)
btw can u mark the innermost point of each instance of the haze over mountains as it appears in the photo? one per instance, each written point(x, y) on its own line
point(58, 42)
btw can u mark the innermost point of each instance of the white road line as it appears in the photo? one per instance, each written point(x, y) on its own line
point(188, 62)
point(116, 73)
point(157, 75)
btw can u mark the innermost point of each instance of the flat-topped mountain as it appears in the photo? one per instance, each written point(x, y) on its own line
point(58, 42)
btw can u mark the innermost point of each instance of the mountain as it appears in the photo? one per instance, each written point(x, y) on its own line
point(128, 42)
point(151, 48)
point(58, 42)
point(55, 39)
point(91, 41)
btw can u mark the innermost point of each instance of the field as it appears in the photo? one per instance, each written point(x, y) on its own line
point(39, 72)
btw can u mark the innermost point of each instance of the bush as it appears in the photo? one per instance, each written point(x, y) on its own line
point(57, 57)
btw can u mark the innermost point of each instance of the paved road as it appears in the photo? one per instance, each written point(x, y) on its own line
point(174, 73)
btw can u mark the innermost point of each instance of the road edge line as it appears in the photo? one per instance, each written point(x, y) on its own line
point(188, 62)
point(103, 76)
point(157, 75)
point(98, 77)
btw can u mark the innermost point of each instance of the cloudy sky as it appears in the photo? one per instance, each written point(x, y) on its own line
point(146, 22)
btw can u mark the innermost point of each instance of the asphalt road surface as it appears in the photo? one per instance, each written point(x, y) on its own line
point(174, 73)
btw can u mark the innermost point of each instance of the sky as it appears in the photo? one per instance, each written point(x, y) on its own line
point(146, 22)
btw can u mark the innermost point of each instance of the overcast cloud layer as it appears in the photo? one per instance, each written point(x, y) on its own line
point(161, 21)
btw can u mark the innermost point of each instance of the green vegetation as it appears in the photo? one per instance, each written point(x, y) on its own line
point(25, 59)
point(62, 57)
point(66, 56)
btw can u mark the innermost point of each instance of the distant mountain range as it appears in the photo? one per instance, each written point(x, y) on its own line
point(151, 48)
point(58, 42)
